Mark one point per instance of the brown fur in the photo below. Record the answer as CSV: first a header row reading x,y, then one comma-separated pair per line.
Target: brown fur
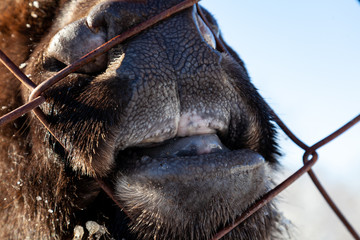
x,y
26,176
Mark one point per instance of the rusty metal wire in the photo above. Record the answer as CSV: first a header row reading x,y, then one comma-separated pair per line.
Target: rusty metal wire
x,y
310,156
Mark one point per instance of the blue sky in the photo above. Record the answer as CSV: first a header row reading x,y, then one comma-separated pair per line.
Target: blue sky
x,y
304,57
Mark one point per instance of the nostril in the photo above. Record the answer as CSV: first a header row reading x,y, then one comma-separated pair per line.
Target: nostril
x,y
113,17
90,24
95,20
73,42
53,64
205,32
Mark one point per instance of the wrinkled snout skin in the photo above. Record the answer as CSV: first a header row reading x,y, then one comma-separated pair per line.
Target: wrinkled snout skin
x,y
171,122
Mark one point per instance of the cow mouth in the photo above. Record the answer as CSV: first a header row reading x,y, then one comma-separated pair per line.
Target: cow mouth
x,y
192,156
188,180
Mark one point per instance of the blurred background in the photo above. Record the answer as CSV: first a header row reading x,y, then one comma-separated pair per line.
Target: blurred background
x,y
304,57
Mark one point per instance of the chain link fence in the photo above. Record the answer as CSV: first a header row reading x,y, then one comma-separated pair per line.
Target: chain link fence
x,y
309,158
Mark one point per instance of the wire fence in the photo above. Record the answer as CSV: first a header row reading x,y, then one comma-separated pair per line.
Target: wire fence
x,y
310,156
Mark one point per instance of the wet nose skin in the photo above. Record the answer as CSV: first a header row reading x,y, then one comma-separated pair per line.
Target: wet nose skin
x,y
74,41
